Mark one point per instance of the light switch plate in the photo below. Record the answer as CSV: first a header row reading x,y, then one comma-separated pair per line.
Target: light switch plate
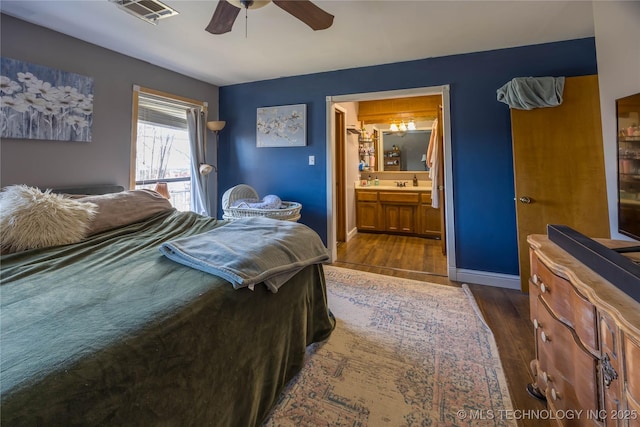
x,y
312,160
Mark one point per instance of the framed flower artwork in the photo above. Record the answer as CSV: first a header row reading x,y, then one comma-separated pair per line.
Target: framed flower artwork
x,y
39,102
283,126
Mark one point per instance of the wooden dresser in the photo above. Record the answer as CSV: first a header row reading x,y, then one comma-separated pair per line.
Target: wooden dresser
x,y
587,336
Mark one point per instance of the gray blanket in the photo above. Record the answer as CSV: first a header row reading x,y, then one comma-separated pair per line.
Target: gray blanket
x,y
267,250
527,93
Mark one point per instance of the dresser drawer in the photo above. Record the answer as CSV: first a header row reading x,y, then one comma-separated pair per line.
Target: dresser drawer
x,y
397,197
632,372
425,198
569,370
566,304
632,414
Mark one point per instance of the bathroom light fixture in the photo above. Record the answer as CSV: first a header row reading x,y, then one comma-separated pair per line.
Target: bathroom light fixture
x,y
214,126
403,127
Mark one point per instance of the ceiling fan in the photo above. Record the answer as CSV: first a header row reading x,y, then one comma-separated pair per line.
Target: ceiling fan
x,y
227,11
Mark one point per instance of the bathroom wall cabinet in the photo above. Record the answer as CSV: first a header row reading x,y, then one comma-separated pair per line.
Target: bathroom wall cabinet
x,y
587,336
398,212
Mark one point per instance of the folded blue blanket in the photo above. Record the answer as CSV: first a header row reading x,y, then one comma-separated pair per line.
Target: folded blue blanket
x,y
527,93
250,250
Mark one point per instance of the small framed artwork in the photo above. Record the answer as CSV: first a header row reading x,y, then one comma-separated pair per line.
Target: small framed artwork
x,y
283,126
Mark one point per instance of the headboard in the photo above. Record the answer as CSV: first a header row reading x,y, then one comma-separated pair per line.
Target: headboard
x,y
93,190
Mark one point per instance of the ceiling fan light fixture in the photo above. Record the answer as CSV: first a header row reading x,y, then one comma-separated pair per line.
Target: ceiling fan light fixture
x,y
242,4
304,10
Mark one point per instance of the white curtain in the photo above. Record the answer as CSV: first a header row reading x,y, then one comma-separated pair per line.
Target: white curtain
x,y
196,124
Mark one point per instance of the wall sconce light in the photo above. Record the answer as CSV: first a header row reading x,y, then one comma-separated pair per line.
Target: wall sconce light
x,y
411,125
214,126
393,127
402,127
205,169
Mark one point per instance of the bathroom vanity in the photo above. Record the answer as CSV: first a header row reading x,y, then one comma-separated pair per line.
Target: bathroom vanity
x,y
388,208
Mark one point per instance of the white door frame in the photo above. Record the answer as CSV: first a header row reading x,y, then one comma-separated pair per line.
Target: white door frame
x,y
448,169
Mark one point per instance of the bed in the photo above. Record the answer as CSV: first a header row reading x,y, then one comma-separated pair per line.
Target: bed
x,y
108,331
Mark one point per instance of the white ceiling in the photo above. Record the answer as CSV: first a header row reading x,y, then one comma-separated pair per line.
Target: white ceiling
x,y
363,33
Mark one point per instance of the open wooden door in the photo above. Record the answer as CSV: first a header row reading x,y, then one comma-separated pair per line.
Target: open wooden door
x,y
340,129
443,228
558,165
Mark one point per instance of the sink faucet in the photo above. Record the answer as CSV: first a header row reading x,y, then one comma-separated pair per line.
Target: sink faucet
x,y
401,183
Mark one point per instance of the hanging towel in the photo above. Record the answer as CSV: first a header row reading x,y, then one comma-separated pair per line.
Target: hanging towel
x,y
433,155
527,93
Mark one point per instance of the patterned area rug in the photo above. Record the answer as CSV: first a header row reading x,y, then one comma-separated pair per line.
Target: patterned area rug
x,y
404,353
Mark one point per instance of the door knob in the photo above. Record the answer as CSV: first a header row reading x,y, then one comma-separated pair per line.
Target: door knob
x,y
524,199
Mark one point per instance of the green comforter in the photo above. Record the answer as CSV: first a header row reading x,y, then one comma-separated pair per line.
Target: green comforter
x,y
110,332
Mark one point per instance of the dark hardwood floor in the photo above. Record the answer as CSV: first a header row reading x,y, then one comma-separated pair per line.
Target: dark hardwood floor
x,y
506,311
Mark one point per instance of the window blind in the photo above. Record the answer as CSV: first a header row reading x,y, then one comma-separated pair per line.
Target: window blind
x,y
162,111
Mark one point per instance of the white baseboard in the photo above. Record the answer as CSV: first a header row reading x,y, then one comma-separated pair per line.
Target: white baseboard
x,y
498,280
351,233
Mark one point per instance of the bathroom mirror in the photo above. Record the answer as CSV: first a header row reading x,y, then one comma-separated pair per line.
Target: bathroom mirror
x,y
403,151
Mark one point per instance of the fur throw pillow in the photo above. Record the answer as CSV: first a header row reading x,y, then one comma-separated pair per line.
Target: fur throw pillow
x,y
30,218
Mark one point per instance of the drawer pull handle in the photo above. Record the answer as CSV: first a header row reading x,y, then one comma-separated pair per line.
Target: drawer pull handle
x,y
543,288
554,394
536,325
534,279
608,372
544,337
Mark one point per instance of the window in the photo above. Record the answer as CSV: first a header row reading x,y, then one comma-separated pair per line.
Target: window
x,y
160,147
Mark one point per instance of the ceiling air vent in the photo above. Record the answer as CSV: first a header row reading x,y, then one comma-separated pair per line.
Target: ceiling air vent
x,y
147,10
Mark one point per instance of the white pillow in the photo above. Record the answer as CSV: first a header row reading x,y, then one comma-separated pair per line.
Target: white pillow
x,y
30,218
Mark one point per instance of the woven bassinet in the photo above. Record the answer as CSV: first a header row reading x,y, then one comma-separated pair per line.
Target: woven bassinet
x,y
289,211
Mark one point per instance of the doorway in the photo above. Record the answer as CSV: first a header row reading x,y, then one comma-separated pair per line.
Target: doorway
x,y
337,198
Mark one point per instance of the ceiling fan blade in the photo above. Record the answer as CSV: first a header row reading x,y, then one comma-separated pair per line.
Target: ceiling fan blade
x,y
307,12
223,18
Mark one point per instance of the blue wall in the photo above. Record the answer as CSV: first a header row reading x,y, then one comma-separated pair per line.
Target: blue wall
x,y
485,218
